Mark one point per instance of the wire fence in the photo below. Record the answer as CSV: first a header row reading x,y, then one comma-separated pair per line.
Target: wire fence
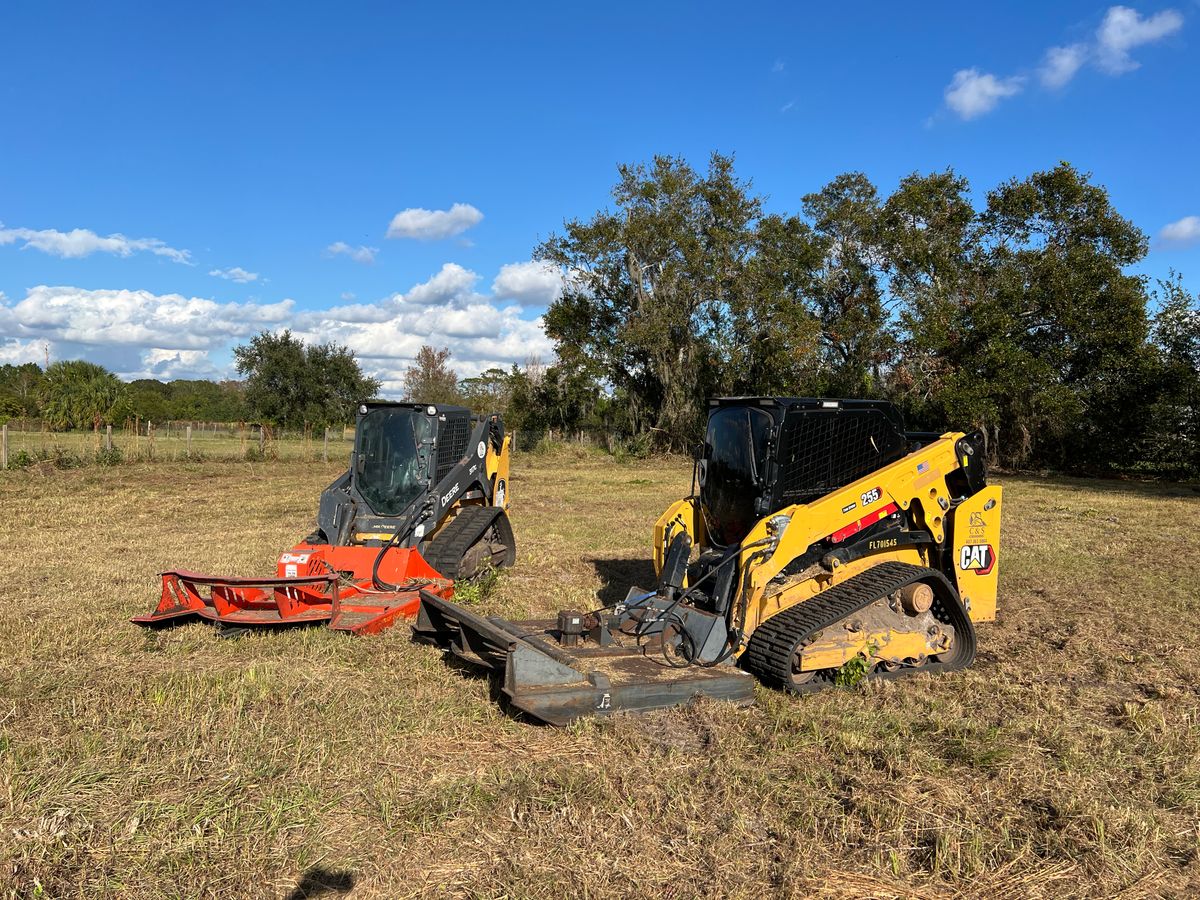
x,y
30,442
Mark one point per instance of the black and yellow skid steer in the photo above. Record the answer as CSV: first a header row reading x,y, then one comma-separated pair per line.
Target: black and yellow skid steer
x,y
825,543
422,505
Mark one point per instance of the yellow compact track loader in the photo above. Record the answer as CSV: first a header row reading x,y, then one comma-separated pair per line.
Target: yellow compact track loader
x,y
825,544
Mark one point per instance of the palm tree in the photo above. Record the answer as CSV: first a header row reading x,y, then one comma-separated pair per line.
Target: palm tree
x,y
79,394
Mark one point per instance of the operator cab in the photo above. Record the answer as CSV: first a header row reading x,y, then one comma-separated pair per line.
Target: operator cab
x,y
401,449
389,458
762,454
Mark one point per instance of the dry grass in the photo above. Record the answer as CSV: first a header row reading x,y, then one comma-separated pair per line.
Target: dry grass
x,y
304,763
172,446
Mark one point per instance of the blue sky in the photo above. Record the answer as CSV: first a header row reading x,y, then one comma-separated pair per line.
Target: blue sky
x,y
146,146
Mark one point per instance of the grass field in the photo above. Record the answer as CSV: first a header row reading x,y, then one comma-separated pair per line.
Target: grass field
x,y
304,763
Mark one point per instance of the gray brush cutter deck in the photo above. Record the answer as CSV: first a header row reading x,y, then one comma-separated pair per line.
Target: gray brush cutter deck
x,y
555,682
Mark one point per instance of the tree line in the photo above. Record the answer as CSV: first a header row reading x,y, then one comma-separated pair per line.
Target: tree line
x,y
287,383
1018,316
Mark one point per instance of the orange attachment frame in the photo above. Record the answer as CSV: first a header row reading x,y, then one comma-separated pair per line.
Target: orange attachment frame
x,y
315,583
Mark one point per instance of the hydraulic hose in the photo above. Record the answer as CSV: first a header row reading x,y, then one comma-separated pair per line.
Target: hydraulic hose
x,y
379,584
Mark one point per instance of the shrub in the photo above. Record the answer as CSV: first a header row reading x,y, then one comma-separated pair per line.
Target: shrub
x,y
110,457
55,457
22,459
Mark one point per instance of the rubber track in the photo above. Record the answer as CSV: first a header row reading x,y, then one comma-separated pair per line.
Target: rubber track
x,y
773,644
447,550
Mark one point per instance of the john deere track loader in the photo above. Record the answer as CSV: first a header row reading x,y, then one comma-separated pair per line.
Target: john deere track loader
x,y
824,541
421,506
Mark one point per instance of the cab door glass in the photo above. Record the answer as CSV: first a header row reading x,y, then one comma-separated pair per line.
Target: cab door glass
x,y
390,470
733,470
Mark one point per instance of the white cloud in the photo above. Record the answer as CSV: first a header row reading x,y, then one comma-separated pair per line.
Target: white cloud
x,y
479,336
80,242
1124,29
444,311
434,224
237,273
139,334
167,364
530,283
449,284
452,286
359,254
779,66
137,318
1061,63
16,352
1185,231
787,106
972,93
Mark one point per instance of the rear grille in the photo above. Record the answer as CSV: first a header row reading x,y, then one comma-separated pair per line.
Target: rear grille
x,y
453,435
820,451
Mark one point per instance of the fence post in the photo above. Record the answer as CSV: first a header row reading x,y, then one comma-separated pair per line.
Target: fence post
x,y
325,451
108,437
4,447
262,440
189,442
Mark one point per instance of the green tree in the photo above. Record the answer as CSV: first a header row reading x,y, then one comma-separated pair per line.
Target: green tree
x,y
653,283
290,383
10,408
1024,320
1021,318
23,384
929,239
202,400
150,400
770,340
846,293
430,379
1070,325
79,394
1174,441
487,392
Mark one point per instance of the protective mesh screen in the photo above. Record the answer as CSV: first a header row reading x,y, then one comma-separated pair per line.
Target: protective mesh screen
x,y
820,451
453,435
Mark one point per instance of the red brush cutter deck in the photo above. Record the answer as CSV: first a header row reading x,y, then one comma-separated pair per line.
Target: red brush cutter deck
x,y
313,583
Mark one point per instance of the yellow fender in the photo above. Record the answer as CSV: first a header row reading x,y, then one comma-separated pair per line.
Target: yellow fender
x,y
977,552
681,515
497,471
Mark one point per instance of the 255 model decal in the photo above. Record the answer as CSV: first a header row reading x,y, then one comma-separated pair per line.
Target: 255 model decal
x,y
871,496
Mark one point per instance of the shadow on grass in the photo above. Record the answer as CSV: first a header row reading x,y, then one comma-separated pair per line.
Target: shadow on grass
x,y
317,882
619,575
